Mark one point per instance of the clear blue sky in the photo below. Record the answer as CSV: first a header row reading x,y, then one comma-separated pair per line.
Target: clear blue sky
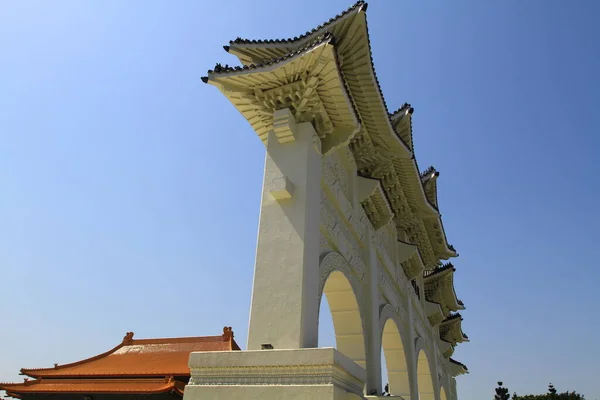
x,y
130,190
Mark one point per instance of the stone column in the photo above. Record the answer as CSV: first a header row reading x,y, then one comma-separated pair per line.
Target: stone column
x,y
284,309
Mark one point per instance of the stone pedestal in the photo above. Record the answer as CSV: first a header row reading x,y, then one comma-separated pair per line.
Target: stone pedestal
x,y
315,374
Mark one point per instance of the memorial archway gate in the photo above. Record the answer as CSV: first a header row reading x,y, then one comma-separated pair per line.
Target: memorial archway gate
x,y
345,212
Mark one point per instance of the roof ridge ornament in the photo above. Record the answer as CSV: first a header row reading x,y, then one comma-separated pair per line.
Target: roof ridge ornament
x,y
128,339
404,107
227,333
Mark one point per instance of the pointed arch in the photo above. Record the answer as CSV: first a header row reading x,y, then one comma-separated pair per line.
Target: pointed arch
x,y
393,347
343,292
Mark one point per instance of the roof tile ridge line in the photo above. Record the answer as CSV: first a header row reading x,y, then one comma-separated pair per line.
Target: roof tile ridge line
x,y
126,341
360,5
439,270
452,360
327,38
105,379
453,316
186,339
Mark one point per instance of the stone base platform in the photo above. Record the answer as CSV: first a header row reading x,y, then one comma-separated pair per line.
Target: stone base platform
x,y
315,374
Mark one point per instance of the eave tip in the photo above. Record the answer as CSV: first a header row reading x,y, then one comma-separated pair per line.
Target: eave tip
x,y
226,48
411,110
364,7
204,79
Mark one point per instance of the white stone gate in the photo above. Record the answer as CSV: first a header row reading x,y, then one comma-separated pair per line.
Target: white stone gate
x,y
345,213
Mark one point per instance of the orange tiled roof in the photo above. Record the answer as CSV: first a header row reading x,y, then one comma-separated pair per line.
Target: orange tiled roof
x,y
141,357
129,386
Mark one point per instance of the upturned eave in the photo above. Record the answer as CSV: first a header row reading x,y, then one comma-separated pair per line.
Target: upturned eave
x,y
384,134
457,368
439,287
451,330
354,50
303,81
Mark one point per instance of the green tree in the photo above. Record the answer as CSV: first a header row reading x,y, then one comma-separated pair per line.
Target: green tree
x,y
501,393
552,394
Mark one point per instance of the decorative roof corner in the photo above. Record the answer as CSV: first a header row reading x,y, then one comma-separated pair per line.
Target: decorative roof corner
x,y
457,368
439,288
128,339
451,330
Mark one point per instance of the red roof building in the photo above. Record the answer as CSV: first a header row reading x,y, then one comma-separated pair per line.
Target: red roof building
x,y
134,369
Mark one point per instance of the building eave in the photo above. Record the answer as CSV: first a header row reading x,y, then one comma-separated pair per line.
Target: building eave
x,y
259,91
451,330
439,283
355,17
457,368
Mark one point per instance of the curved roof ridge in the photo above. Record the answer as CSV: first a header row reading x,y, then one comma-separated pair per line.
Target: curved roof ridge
x,y
358,6
453,361
189,339
94,385
226,337
326,37
126,341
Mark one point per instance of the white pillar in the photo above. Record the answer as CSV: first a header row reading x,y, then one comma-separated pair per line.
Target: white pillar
x,y
410,350
453,394
284,309
372,329
435,375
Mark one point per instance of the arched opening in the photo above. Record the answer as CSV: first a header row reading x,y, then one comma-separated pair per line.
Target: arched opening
x,y
395,361
442,393
425,384
345,314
